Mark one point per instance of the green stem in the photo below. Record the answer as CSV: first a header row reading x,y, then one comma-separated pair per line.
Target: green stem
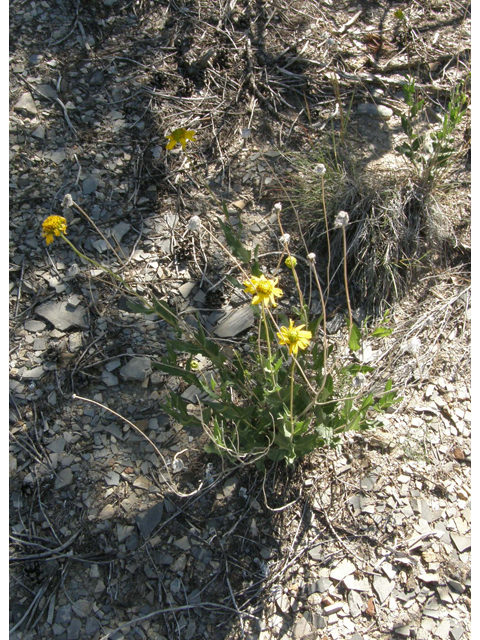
x,y
291,395
345,278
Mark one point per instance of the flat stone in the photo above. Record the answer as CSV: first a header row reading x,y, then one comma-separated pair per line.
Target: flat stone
x,y
34,326
148,520
97,78
109,379
120,229
356,584
403,631
74,628
63,316
301,628
92,626
26,105
82,608
64,478
112,479
319,586
201,554
443,629
47,92
183,543
63,614
34,374
186,289
429,578
57,445
57,157
457,632
317,553
333,608
124,531
375,111
315,619
456,586
235,322
107,512
383,587
461,542
230,486
342,570
89,185
137,369
39,132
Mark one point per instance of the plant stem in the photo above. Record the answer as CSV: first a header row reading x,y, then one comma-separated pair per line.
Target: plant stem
x,y
345,279
328,239
105,270
291,395
95,227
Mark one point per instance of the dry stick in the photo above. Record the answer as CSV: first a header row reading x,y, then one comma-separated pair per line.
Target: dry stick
x,y
95,227
345,277
184,607
157,450
46,554
328,239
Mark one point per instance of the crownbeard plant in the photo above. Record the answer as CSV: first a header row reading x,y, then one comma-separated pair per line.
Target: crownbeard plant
x,y
280,397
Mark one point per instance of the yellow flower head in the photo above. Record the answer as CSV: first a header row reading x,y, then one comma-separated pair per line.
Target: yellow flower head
x,y
291,262
263,290
180,136
294,337
53,226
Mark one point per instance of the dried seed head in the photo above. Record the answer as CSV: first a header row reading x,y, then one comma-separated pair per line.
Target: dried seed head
x,y
277,207
341,220
319,169
358,381
67,201
312,258
285,239
194,223
413,345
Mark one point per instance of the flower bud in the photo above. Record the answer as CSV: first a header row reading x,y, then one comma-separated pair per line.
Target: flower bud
x,y
285,239
312,258
291,262
277,207
194,223
341,220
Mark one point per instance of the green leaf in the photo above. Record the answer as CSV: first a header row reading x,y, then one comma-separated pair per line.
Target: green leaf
x,y
381,332
188,376
164,311
355,337
138,307
234,242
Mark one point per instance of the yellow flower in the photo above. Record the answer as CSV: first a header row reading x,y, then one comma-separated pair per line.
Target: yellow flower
x,y
291,262
180,136
53,226
263,290
294,338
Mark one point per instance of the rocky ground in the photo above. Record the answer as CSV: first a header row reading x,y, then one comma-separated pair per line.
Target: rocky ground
x,y
121,531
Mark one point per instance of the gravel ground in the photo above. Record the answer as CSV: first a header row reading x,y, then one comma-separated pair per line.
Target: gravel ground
x,y
121,531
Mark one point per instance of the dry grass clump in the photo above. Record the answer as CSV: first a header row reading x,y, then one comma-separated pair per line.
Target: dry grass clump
x,y
396,230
